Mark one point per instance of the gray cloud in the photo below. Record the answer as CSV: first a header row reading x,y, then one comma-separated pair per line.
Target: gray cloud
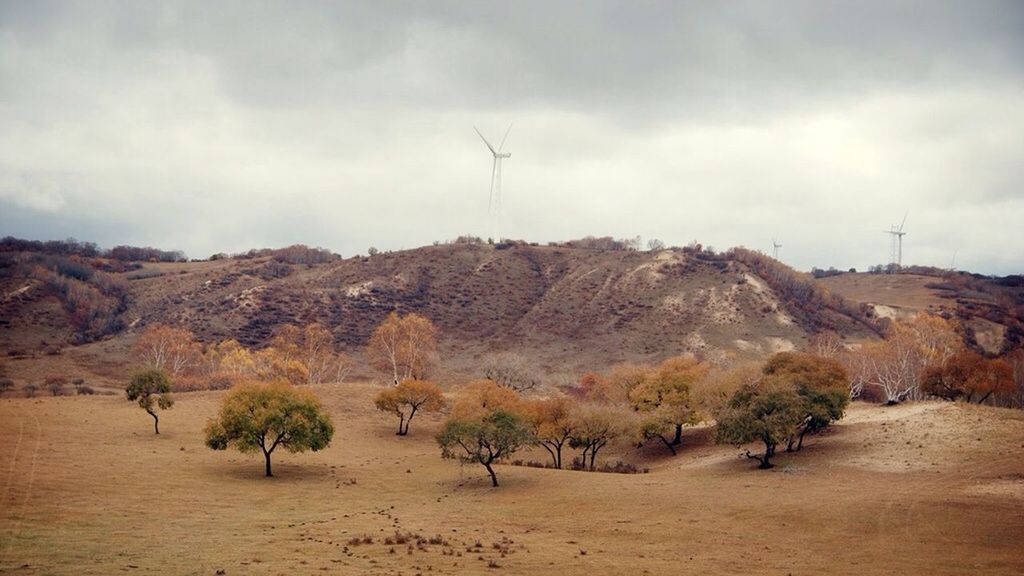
x,y
224,126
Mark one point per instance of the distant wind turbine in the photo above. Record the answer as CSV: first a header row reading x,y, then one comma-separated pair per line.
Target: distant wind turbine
x,y
494,204
896,249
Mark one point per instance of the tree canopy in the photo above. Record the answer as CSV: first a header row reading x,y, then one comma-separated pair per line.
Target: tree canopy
x,y
403,346
262,416
484,440
408,398
152,390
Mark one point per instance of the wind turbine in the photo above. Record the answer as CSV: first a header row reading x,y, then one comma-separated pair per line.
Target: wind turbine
x,y
896,249
775,249
494,204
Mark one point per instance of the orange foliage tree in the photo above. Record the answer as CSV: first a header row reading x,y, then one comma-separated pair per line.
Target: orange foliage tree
x,y
896,364
968,375
408,398
553,423
663,399
162,347
403,346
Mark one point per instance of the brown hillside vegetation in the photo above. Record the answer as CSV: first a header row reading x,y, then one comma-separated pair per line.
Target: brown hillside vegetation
x,y
564,309
568,308
926,488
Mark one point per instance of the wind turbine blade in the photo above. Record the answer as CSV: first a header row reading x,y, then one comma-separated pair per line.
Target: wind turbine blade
x,y
502,145
491,148
494,172
907,213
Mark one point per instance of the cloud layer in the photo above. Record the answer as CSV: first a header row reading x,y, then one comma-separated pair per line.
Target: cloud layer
x,y
224,126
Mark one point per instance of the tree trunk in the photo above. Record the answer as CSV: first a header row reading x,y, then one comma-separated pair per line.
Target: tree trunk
x,y
156,421
985,397
401,421
558,457
668,444
551,452
769,451
267,456
494,477
678,439
800,444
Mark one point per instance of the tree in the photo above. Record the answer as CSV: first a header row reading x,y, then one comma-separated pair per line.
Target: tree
x,y
896,364
663,399
409,397
163,347
6,384
262,416
512,371
553,423
821,385
403,346
616,385
967,375
30,390
152,389
485,440
596,425
481,397
323,362
273,363
767,411
654,245
55,385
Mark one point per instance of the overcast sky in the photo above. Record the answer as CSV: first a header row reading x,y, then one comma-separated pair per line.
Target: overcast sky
x,y
219,126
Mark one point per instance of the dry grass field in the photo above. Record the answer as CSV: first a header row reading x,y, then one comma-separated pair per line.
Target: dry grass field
x,y
86,488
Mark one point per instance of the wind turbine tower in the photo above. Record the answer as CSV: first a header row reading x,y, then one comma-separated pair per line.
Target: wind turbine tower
x,y
494,204
775,249
896,248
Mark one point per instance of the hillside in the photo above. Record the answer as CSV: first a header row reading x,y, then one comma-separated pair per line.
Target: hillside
x,y
927,488
567,309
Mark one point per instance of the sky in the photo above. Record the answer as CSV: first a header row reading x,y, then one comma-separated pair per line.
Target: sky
x,y
222,126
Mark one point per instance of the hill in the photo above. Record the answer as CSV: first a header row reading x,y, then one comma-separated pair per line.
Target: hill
x,y
566,308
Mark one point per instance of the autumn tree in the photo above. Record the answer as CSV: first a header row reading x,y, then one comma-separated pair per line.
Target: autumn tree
x,y
403,346
596,425
484,440
553,423
262,416
896,364
151,389
663,400
480,397
408,398
821,385
968,375
172,350
616,385
310,350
